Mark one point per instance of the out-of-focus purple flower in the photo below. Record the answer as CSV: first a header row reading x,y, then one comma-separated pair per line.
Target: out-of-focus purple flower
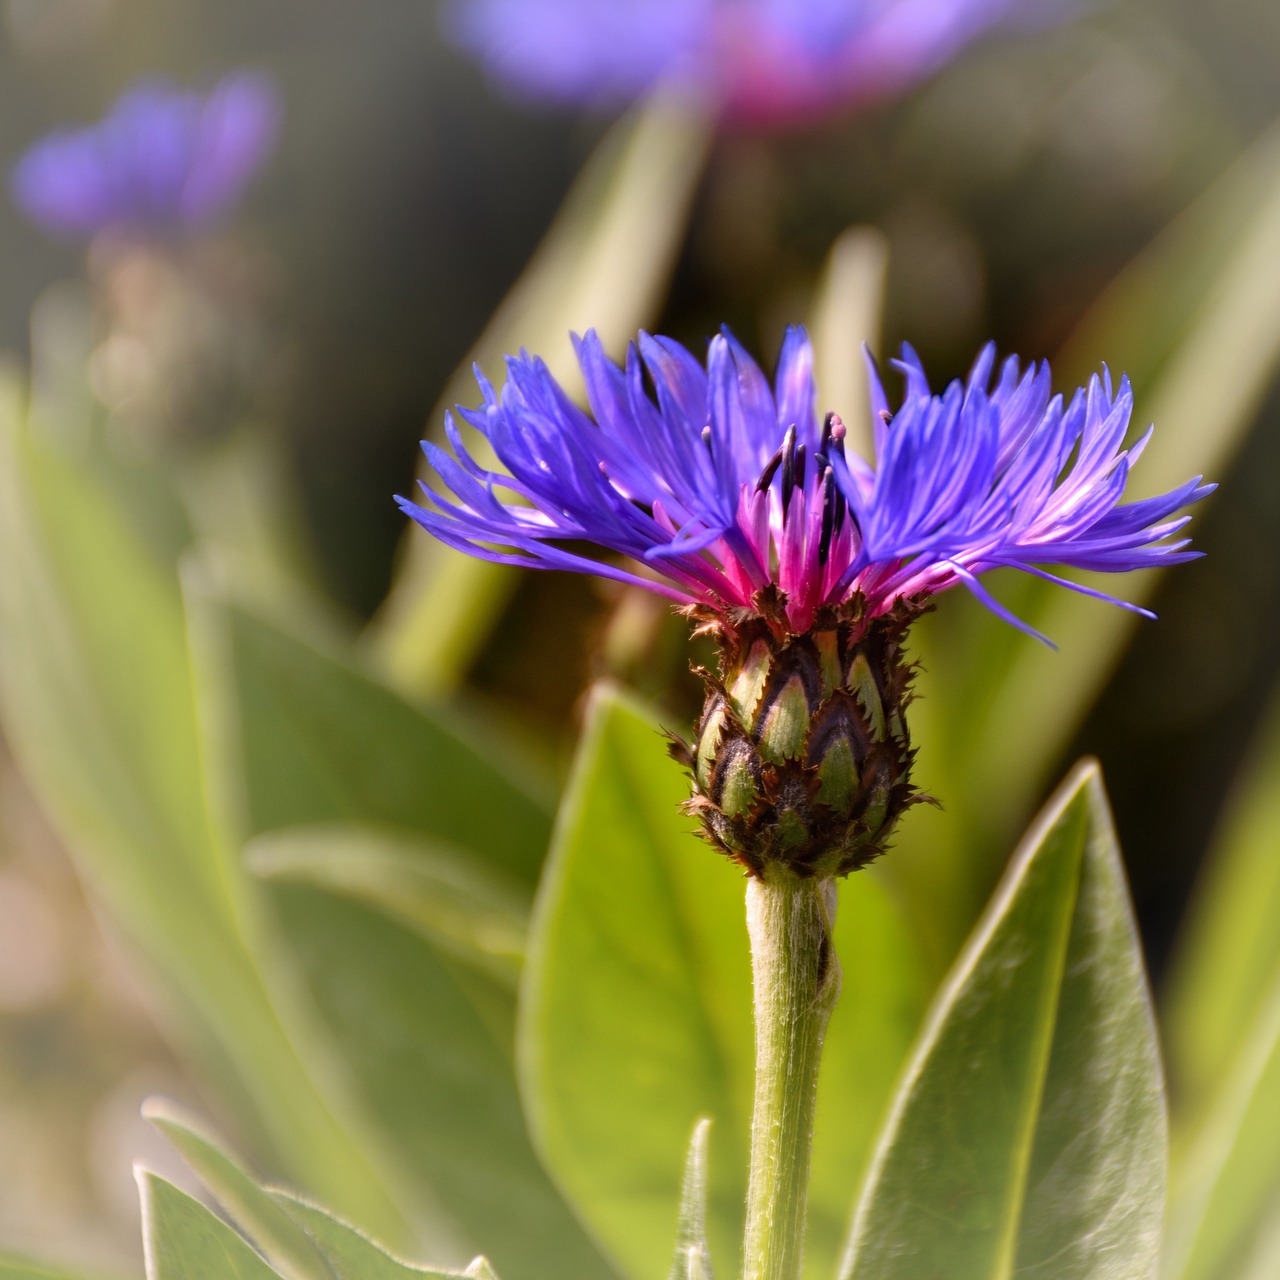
x,y
735,496
161,158
759,61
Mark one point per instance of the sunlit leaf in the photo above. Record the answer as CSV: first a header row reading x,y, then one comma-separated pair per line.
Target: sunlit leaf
x,y
692,1260
1227,1181
1228,960
353,1256
1028,1136
186,1241
637,1009
273,1232
604,265
425,1038
445,893
98,707
310,738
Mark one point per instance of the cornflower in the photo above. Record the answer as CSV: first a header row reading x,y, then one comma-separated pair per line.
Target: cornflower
x,y
806,562
758,61
160,159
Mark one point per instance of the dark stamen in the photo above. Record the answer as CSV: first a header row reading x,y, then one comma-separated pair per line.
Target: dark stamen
x,y
706,436
770,470
788,468
800,457
830,496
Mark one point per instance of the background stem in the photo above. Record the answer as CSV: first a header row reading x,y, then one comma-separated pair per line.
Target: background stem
x,y
797,982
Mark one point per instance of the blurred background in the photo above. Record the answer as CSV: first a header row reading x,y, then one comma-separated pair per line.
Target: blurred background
x,y
404,200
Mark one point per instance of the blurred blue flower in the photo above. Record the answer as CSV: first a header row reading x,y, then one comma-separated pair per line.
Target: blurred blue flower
x,y
160,158
734,495
758,60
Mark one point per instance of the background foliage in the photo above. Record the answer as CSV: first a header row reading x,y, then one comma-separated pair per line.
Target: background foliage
x,y
310,830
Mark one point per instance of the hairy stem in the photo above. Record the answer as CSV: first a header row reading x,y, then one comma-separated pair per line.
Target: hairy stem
x,y
797,983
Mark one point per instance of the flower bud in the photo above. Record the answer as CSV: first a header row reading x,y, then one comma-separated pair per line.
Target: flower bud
x,y
801,757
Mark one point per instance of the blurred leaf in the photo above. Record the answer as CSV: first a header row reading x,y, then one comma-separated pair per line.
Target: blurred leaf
x,y
1227,1180
273,1232
1228,960
15,1268
1028,1136
186,1241
309,738
430,1050
603,264
692,1259
636,1014
350,1253
301,1240
444,893
95,687
846,314
1196,322
425,1042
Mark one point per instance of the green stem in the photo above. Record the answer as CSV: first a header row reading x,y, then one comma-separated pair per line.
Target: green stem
x,y
797,983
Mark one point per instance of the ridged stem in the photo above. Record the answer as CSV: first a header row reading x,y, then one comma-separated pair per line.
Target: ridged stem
x,y
797,983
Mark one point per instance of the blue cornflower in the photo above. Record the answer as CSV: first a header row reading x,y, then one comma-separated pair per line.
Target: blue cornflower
x,y
735,496
161,158
755,60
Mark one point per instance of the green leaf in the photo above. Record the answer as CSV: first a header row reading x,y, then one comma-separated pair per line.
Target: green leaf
x,y
310,738
98,706
353,1256
432,1057
692,1259
273,1232
186,1241
1227,1181
1028,1136
301,1240
1223,1020
604,265
1228,959
444,893
636,1010
15,1268
426,1040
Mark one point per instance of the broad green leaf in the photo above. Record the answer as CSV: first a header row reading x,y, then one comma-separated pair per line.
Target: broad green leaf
x,y
425,1041
636,1013
97,704
1226,1197
311,738
273,1232
1228,960
603,264
1028,1135
692,1260
185,1241
444,893
432,1057
353,1256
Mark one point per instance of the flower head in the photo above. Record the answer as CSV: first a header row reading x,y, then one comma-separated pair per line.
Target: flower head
x,y
160,158
735,496
758,60
805,561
